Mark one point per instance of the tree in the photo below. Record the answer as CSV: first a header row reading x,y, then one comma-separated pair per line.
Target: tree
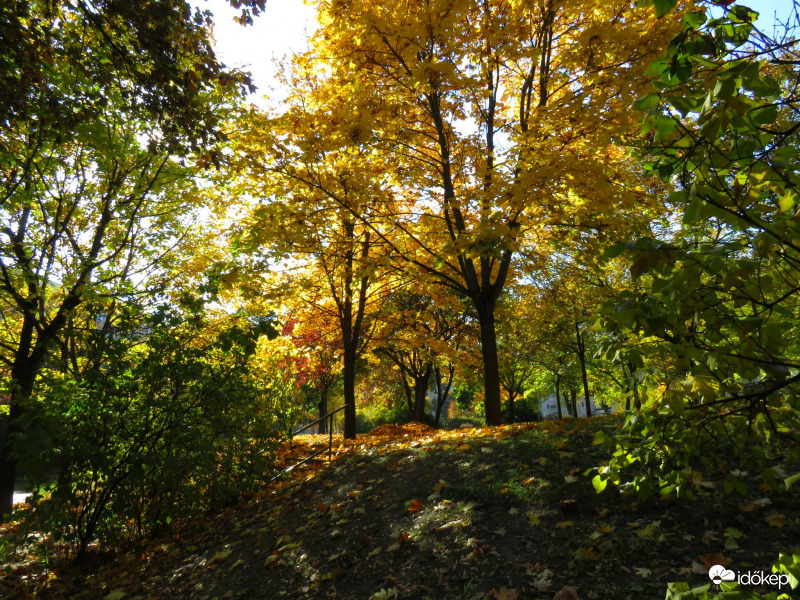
x,y
309,185
105,102
486,112
718,302
421,337
317,367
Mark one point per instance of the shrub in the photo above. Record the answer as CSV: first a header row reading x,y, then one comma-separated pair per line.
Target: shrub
x,y
165,422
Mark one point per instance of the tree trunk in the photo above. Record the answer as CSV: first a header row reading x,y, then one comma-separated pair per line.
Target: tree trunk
x,y
27,362
491,367
323,410
511,397
421,384
8,464
23,374
582,358
349,387
573,401
558,397
442,392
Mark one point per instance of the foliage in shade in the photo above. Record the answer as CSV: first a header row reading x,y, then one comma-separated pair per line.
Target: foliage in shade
x,y
712,322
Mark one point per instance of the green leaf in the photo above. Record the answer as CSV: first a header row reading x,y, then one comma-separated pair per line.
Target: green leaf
x,y
725,88
664,126
764,115
599,483
647,102
694,20
664,6
789,481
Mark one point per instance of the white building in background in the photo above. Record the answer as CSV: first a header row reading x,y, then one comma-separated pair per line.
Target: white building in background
x,y
548,408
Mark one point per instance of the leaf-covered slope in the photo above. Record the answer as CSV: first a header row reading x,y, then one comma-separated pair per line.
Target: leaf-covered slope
x,y
483,513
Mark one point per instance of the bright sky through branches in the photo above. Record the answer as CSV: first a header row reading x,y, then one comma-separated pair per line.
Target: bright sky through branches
x,y
286,25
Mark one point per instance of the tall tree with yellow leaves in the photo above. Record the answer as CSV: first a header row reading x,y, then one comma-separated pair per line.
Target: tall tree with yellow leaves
x,y
498,122
305,184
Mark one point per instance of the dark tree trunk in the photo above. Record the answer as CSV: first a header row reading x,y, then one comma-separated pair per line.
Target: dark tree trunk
x,y
27,363
582,358
421,384
323,410
573,401
442,391
9,426
349,387
409,396
491,366
558,397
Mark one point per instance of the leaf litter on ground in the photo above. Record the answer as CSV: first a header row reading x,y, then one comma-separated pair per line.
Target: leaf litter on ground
x,y
413,512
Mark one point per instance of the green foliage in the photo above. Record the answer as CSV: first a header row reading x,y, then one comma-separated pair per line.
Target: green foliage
x,y
372,415
711,325
165,423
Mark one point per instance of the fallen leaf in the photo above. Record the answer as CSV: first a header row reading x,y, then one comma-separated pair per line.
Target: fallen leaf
x,y
643,571
711,560
570,479
564,524
748,506
568,505
776,519
222,555
414,506
505,593
567,593
528,480
271,560
708,537
544,580
115,595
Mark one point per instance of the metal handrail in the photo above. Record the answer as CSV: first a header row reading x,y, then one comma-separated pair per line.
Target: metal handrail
x,y
318,452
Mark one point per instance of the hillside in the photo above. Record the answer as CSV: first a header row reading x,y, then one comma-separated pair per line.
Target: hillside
x,y
416,513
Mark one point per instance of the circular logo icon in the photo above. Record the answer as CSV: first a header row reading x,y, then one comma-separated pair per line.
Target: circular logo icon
x,y
718,574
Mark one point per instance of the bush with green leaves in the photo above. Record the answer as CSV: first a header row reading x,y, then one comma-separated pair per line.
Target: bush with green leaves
x,y
163,421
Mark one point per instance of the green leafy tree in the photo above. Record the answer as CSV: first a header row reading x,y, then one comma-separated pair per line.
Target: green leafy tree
x,y
717,307
105,103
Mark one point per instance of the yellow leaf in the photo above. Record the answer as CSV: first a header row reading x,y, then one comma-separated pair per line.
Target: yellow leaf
x,y
775,519
564,524
505,593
